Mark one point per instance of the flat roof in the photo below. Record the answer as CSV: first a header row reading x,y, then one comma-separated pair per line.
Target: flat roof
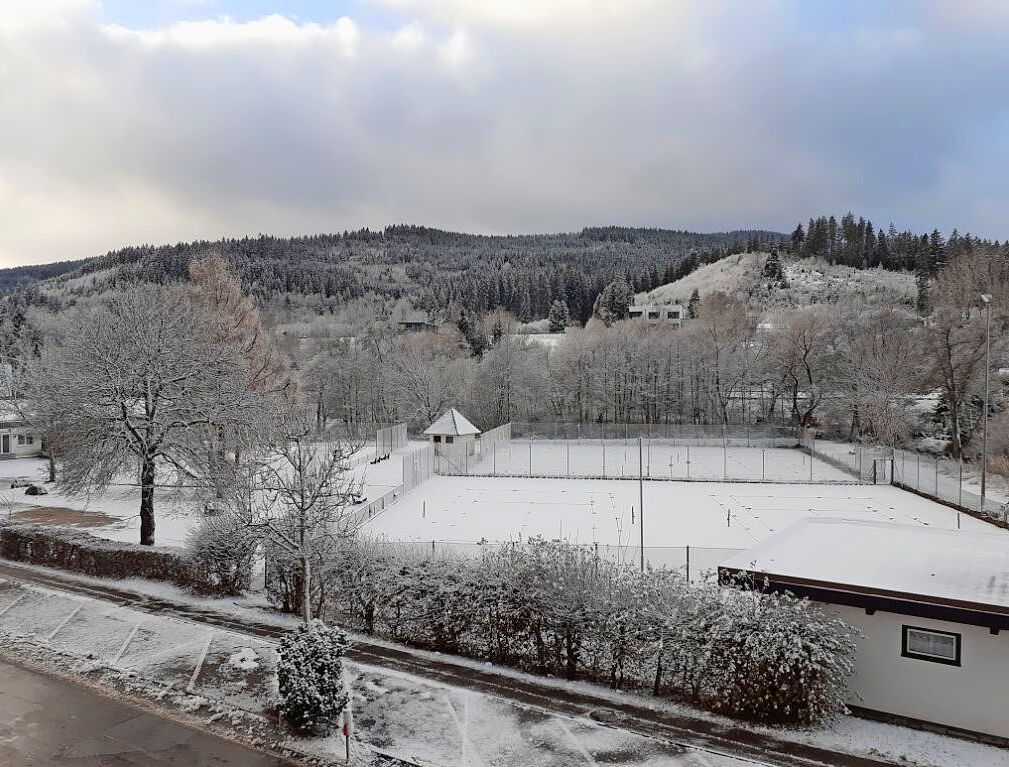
x,y
916,563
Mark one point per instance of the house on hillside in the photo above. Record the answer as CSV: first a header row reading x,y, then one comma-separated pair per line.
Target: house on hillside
x,y
932,606
452,428
416,322
665,314
17,438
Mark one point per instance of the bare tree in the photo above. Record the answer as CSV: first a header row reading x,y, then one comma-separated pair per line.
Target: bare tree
x,y
298,496
141,380
804,354
953,339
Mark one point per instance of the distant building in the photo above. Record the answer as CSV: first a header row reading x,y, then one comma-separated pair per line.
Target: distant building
x,y
668,314
932,607
416,322
17,438
452,428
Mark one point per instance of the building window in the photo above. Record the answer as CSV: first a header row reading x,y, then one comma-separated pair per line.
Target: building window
x,y
448,440
653,315
437,438
930,645
21,439
29,439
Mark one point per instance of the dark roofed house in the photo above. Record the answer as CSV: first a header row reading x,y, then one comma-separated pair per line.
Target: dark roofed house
x,y
416,322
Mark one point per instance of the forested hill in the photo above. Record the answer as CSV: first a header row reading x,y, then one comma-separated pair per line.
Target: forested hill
x,y
434,268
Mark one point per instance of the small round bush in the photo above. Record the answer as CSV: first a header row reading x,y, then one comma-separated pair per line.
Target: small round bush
x,y
310,677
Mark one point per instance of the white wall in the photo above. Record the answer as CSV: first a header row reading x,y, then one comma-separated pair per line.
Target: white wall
x,y
971,696
22,451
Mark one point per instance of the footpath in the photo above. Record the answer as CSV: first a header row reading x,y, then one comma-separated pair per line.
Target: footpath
x,y
420,708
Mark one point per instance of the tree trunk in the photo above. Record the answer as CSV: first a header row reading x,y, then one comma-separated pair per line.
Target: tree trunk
x,y
147,501
52,467
306,592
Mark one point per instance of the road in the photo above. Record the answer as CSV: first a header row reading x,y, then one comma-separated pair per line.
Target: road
x,y
49,722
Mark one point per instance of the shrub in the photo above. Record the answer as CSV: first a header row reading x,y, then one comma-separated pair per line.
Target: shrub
x,y
558,609
778,659
80,552
310,677
220,552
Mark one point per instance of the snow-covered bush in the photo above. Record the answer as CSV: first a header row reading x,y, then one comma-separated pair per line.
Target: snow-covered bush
x,y
777,659
310,678
557,609
221,551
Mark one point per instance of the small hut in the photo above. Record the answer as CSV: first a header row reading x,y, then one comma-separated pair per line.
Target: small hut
x,y
452,428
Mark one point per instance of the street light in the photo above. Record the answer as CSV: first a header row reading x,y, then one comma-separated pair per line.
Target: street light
x,y
986,299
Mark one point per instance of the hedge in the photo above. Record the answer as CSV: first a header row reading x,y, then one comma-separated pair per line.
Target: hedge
x,y
80,552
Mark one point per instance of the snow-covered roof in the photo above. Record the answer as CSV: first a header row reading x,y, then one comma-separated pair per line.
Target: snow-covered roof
x,y
886,558
10,411
452,424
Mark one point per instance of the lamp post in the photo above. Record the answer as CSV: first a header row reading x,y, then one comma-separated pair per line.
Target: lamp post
x,y
986,298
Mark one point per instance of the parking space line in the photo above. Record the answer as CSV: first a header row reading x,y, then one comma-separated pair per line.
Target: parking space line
x,y
64,622
199,663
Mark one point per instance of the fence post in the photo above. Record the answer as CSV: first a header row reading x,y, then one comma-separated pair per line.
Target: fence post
x,y
569,458
961,479
688,564
530,459
688,460
763,474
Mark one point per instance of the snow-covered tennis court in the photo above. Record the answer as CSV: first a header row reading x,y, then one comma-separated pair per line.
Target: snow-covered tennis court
x,y
721,516
660,459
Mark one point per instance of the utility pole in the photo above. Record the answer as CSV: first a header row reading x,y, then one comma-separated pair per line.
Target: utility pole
x,y
986,298
641,503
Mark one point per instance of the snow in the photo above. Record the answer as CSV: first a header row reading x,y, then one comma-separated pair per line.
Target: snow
x,y
948,564
715,519
408,716
245,659
178,511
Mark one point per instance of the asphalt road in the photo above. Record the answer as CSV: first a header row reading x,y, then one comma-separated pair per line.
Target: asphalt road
x,y
49,722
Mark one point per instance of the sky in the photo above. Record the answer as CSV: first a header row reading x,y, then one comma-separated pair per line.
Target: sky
x,y
150,121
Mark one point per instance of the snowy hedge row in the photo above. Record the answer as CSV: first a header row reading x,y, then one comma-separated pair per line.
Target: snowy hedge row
x,y
79,552
556,609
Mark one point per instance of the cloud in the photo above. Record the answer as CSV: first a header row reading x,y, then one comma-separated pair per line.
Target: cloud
x,y
493,117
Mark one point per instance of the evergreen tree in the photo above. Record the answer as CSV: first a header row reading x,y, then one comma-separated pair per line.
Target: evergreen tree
x,y
559,317
694,305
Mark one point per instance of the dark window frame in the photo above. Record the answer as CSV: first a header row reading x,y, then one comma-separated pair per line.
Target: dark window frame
x,y
905,653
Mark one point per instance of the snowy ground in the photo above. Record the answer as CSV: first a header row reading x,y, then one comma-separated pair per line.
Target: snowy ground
x,y
395,712
659,459
715,519
403,714
115,514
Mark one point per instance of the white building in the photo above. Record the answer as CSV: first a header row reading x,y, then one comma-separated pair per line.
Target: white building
x,y
17,438
668,314
452,428
932,605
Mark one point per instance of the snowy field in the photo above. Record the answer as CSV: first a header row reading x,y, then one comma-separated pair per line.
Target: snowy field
x,y
458,512
115,514
659,459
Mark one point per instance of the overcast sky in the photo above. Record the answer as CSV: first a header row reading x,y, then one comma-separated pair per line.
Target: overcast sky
x,y
129,121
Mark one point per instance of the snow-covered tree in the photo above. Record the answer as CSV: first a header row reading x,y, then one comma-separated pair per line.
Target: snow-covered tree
x,y
142,380
558,317
298,497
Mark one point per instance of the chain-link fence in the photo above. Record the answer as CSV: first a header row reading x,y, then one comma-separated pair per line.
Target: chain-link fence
x,y
694,562
735,435
389,438
943,479
650,458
